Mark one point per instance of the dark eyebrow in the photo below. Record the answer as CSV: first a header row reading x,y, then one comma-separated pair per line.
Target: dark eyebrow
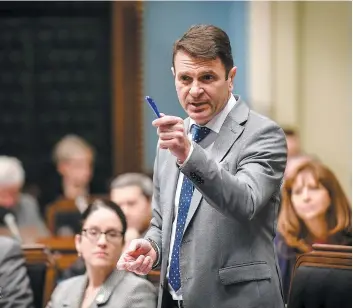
x,y
208,72
98,228
91,227
182,74
114,230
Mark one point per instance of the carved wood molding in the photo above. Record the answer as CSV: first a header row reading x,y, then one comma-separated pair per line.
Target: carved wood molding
x,y
127,116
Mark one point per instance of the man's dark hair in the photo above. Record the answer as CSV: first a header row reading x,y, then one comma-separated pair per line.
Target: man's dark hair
x,y
206,42
134,179
289,132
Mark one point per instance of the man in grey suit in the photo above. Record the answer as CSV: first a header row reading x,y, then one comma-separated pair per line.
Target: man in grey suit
x,y
217,181
15,290
24,207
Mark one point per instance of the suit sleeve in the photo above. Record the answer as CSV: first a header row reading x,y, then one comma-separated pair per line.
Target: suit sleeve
x,y
14,282
258,174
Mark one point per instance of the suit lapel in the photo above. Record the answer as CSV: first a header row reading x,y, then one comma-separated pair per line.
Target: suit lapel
x,y
170,181
229,133
103,295
171,173
195,201
107,288
76,294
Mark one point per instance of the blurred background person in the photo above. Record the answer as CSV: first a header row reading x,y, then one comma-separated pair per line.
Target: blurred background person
x,y
74,159
100,244
293,142
295,155
15,289
314,210
294,162
133,192
23,206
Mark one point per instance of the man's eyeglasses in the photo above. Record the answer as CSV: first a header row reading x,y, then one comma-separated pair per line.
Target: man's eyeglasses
x,y
93,234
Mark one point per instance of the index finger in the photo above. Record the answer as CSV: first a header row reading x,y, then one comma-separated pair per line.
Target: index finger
x,y
133,247
167,120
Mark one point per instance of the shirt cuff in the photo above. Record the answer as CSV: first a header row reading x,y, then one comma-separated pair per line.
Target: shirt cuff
x,y
187,158
158,252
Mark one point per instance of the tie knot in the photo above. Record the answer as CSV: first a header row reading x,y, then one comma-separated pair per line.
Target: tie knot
x,y
198,132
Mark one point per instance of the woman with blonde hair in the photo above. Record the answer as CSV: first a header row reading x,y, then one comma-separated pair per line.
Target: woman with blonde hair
x,y
314,209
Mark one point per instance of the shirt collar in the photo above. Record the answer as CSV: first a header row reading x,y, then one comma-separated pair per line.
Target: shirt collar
x,y
216,123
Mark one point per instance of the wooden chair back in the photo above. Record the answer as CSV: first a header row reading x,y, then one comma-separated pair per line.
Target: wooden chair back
x,y
58,211
63,251
65,212
41,271
322,278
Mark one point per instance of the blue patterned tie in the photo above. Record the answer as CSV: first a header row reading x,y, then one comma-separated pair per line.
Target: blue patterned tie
x,y
187,189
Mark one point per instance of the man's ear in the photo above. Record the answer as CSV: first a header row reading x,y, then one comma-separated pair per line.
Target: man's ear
x,y
173,71
231,76
232,73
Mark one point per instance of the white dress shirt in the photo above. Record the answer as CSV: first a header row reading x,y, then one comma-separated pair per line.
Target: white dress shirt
x,y
215,125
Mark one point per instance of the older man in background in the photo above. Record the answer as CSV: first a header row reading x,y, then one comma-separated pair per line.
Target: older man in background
x,y
23,207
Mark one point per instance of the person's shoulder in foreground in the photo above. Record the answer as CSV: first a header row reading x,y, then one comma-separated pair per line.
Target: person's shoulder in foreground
x,y
14,282
121,289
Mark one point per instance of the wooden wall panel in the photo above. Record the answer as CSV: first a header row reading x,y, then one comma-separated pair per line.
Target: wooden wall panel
x,y
127,84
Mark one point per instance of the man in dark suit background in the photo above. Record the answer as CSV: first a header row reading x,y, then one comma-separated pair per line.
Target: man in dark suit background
x,y
14,282
217,181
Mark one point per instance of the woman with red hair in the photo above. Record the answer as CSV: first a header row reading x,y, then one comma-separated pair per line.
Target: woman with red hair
x,y
314,209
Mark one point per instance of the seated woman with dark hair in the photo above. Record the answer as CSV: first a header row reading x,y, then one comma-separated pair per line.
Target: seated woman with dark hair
x,y
314,210
100,244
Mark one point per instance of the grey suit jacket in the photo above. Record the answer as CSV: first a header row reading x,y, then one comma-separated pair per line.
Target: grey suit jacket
x,y
15,290
121,290
28,215
227,257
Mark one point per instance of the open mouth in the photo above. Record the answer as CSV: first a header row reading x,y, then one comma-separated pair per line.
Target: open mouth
x,y
198,104
197,107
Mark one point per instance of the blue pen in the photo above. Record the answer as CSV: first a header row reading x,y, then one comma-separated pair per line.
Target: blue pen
x,y
153,105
